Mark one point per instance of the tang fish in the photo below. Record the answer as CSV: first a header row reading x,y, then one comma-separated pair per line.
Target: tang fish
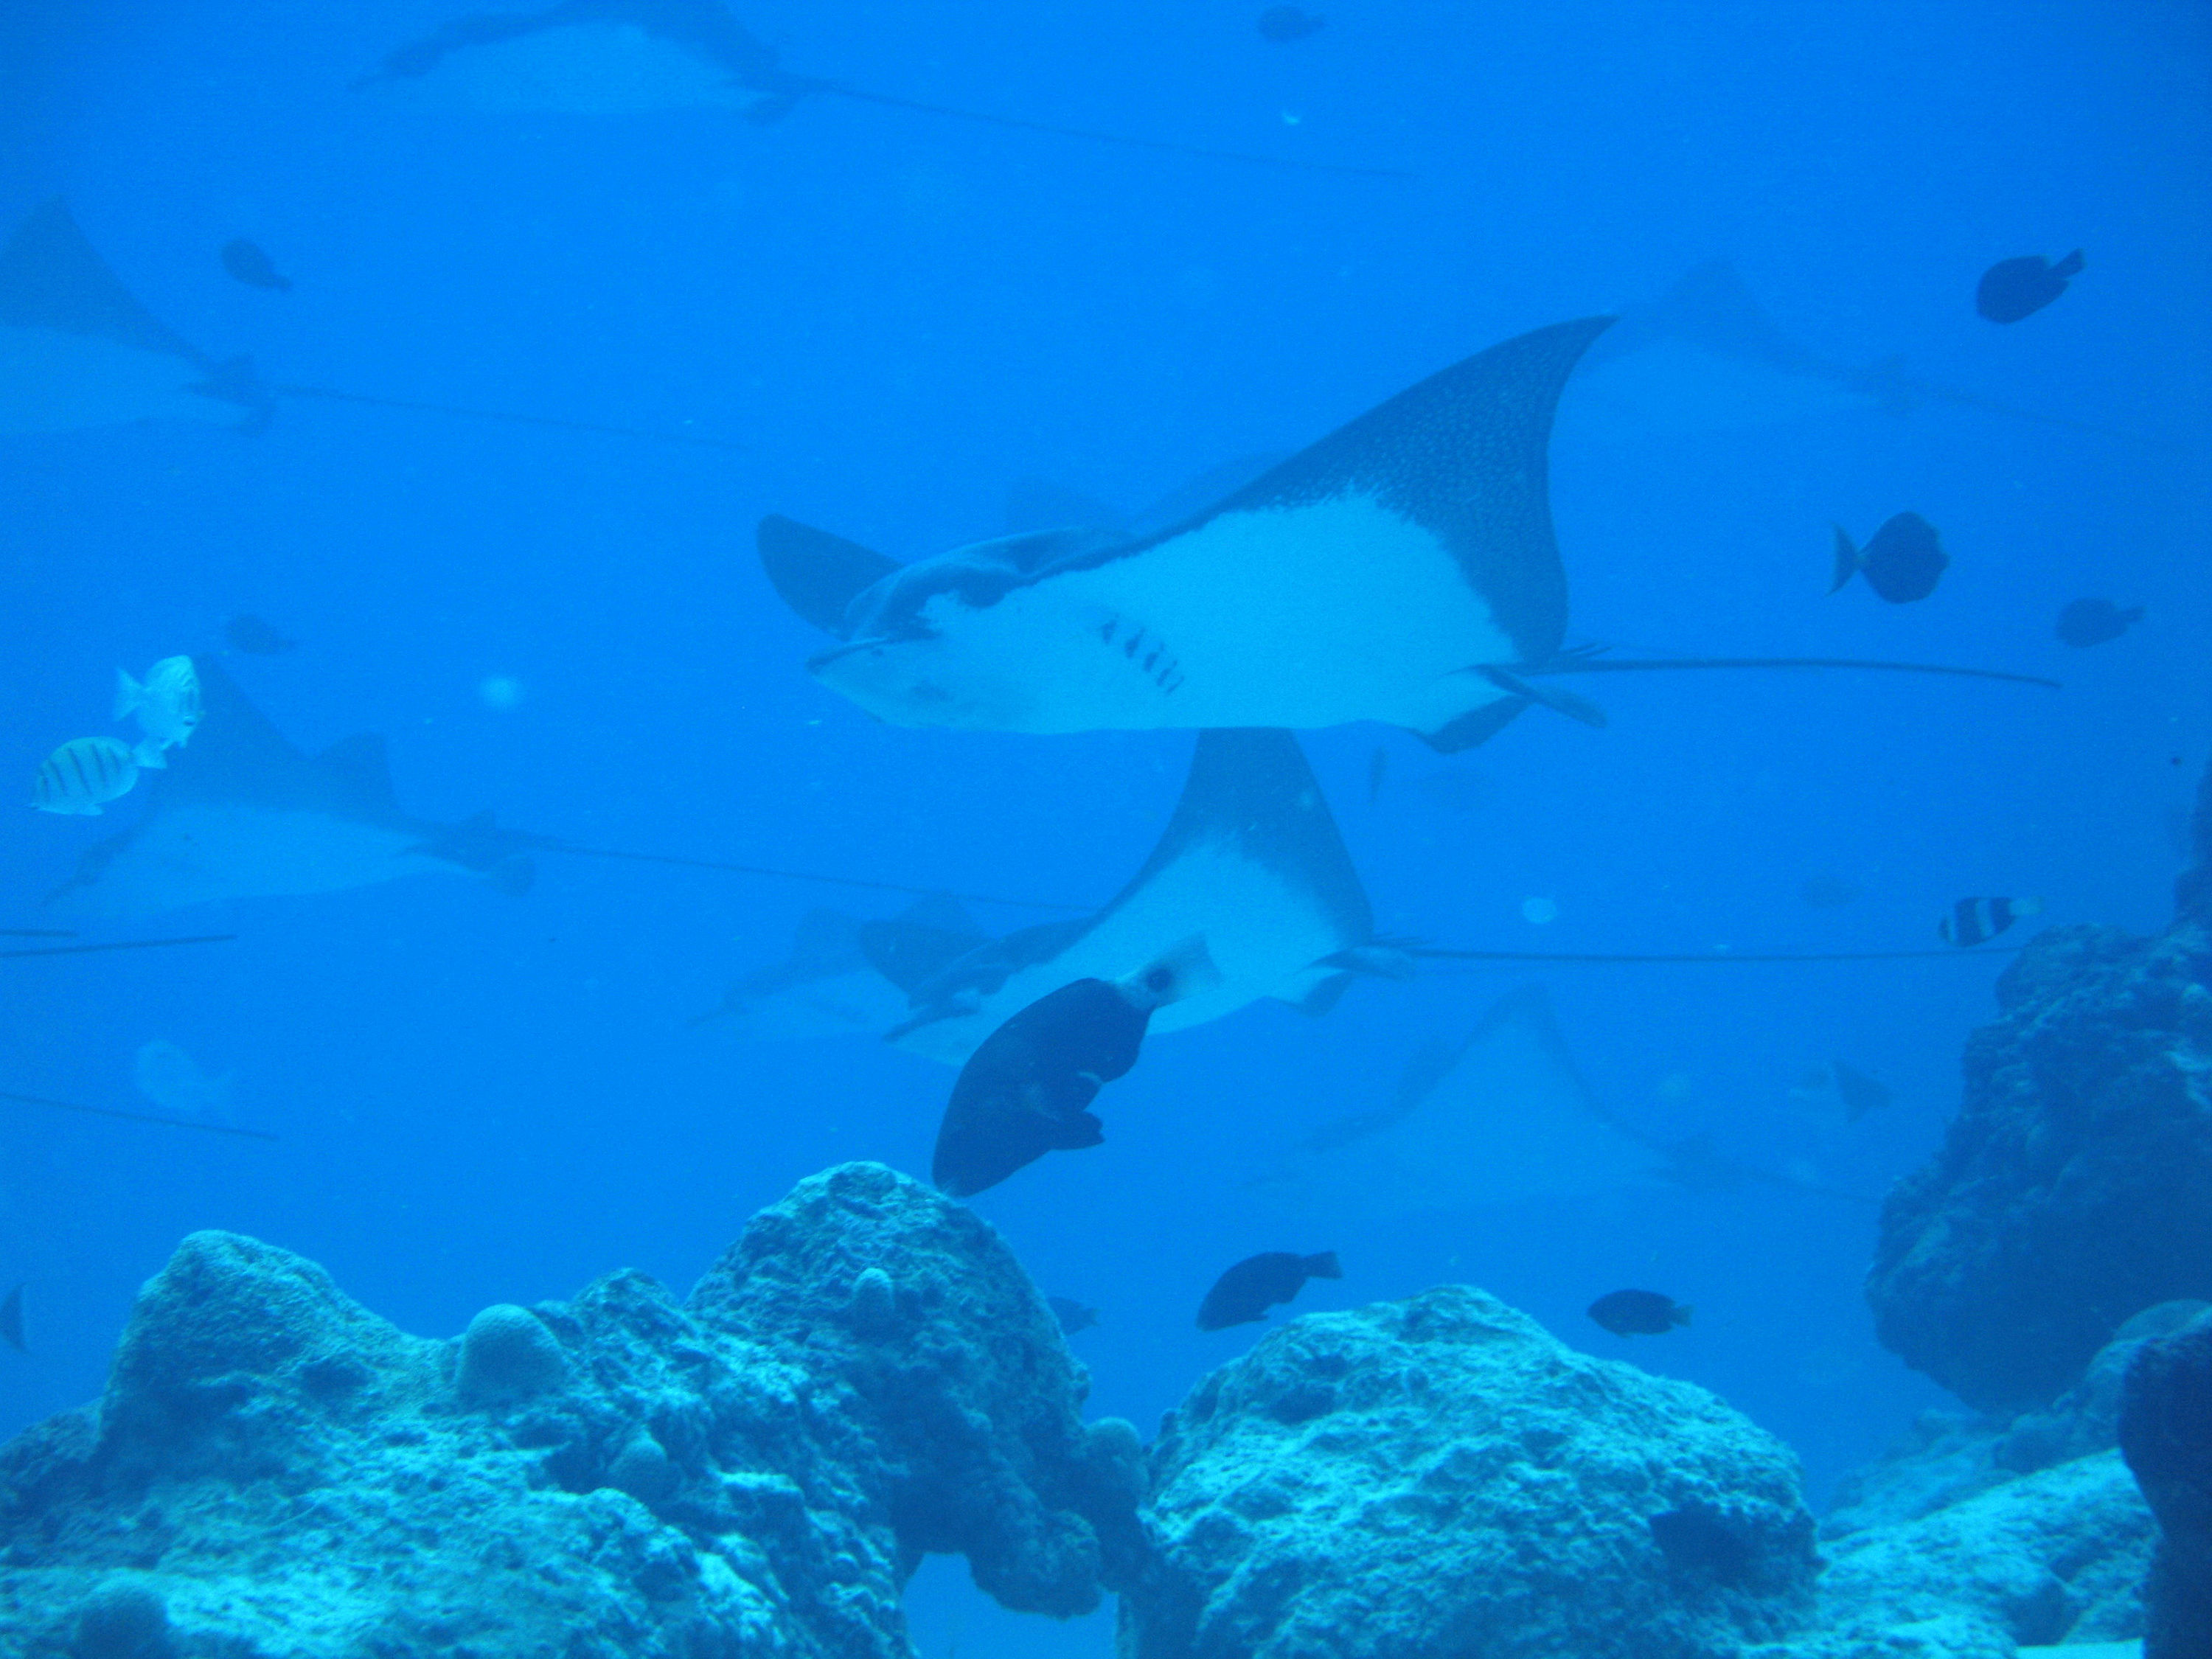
x,y
2093,621
1903,562
1979,920
1638,1313
1026,1089
1284,24
250,266
1072,1316
84,774
167,706
2013,289
1243,1294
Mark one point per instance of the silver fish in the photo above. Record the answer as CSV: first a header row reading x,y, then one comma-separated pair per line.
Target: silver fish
x,y
167,706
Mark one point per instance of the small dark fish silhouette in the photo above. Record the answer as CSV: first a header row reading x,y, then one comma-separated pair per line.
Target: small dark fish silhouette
x,y
1243,1294
1859,1093
250,266
1284,24
1072,1316
1025,1090
11,1320
2013,289
1903,562
1638,1313
1828,892
255,637
1979,920
2093,621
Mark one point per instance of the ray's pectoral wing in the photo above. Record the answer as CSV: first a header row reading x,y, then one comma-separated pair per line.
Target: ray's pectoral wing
x,y
816,574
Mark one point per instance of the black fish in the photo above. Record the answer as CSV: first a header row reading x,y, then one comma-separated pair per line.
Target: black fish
x,y
1284,24
1243,1294
11,1320
1828,892
255,637
1024,1090
2013,289
250,266
1903,562
1072,1316
1979,920
1859,1093
2093,621
1638,1313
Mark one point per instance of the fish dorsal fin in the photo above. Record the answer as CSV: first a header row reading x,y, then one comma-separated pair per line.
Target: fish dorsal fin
x,y
50,277
818,575
358,769
1254,786
1464,456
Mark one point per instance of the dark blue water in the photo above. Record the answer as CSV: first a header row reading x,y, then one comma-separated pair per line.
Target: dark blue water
x,y
483,1098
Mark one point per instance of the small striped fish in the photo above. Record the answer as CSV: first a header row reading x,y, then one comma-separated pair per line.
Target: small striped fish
x,y
81,774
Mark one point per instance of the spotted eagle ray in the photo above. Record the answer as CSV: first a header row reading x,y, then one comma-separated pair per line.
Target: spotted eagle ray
x,y
1707,357
637,56
240,813
77,351
844,975
1250,863
1402,569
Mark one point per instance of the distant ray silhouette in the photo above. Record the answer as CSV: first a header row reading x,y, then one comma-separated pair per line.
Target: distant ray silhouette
x,y
630,57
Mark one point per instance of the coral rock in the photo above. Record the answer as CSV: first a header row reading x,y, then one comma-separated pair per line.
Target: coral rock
x,y
1440,1476
507,1353
2166,1433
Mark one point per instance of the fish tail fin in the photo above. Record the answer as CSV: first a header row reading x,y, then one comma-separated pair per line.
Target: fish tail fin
x,y
1681,1315
1324,1265
2070,266
149,756
1847,561
129,694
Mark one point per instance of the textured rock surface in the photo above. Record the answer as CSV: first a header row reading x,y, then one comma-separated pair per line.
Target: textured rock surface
x,y
1439,1477
2074,1187
2165,1431
275,1473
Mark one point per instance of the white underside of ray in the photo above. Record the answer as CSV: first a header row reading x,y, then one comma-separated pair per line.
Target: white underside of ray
x,y
200,853
580,68
53,381
1673,388
1301,616
1264,932
1509,1122
835,1004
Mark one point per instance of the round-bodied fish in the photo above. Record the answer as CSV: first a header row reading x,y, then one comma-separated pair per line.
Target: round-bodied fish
x,y
83,776
167,706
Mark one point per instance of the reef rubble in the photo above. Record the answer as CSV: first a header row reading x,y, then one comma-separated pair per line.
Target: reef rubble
x,y
866,1376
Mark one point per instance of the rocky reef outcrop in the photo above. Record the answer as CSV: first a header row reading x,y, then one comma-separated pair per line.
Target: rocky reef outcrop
x,y
1440,1476
867,1376
2074,1187
2165,1433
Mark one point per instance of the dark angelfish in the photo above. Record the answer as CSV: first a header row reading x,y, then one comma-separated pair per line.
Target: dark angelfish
x,y
2015,288
1284,24
240,813
1251,861
2085,623
1638,1313
1978,920
1027,1089
1903,562
601,57
1243,1294
78,351
246,262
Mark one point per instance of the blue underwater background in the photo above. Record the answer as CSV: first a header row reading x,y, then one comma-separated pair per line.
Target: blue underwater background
x,y
485,1098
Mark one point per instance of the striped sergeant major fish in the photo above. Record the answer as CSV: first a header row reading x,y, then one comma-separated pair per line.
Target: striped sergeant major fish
x,y
1978,920
81,775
